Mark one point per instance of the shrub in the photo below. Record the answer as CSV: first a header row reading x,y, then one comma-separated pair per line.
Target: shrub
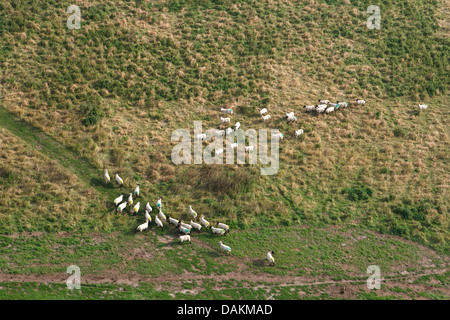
x,y
357,193
93,114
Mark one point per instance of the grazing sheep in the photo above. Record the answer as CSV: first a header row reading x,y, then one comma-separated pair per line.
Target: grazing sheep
x,y
225,120
159,202
204,222
225,248
136,191
121,207
228,111
148,207
329,110
185,238
321,108
106,177
342,104
298,133
220,133
136,207
289,114
158,222
161,215
196,225
249,148
229,131
201,136
142,226
422,107
267,117
185,225
173,221
218,152
223,226
270,258
323,101
130,199
279,135
147,216
360,101
118,200
184,230
237,125
192,212
263,111
218,231
119,180
234,145
291,119
309,108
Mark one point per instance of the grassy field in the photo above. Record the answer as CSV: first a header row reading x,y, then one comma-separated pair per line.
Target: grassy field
x,y
364,185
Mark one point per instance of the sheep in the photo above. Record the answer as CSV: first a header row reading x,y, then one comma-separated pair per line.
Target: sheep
x,y
237,125
234,145
204,222
136,191
136,207
218,152
147,216
249,148
142,226
422,107
185,225
130,199
225,248
228,111
192,212
173,221
184,230
360,101
289,115
279,135
218,231
148,207
323,101
119,180
320,108
159,203
309,108
270,258
220,133
118,200
161,215
342,104
229,131
267,117
158,222
185,238
263,111
201,136
196,225
329,110
298,133
291,119
121,207
223,226
225,120
106,177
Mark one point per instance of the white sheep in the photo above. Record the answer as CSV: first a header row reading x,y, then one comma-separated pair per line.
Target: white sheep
x,y
161,215
218,231
185,238
422,107
279,135
234,145
267,117
142,226
130,199
225,248
342,104
218,152
249,148
148,207
298,133
320,108
184,230
225,120
173,221
136,207
136,191
270,258
201,136
106,177
291,119
263,111
220,133
223,226
204,222
237,125
229,131
196,225
323,101
309,108
159,202
185,225
158,222
229,111
121,207
192,212
329,110
119,180
289,114
360,101
147,216
118,200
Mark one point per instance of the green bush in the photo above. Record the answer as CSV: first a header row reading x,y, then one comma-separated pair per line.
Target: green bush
x,y
93,114
357,193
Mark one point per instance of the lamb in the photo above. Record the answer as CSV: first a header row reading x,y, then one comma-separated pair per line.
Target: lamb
x,y
148,207
159,203
136,207
279,135
360,101
218,152
329,110
298,133
270,258
118,200
321,108
130,199
106,177
342,104
185,238
136,191
225,120
309,108
422,107
147,216
249,148
196,225
161,215
158,222
267,117
204,222
218,231
289,115
225,248
121,207
263,111
323,101
173,221
119,180
192,212
237,125
142,226
184,230
223,226
229,111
